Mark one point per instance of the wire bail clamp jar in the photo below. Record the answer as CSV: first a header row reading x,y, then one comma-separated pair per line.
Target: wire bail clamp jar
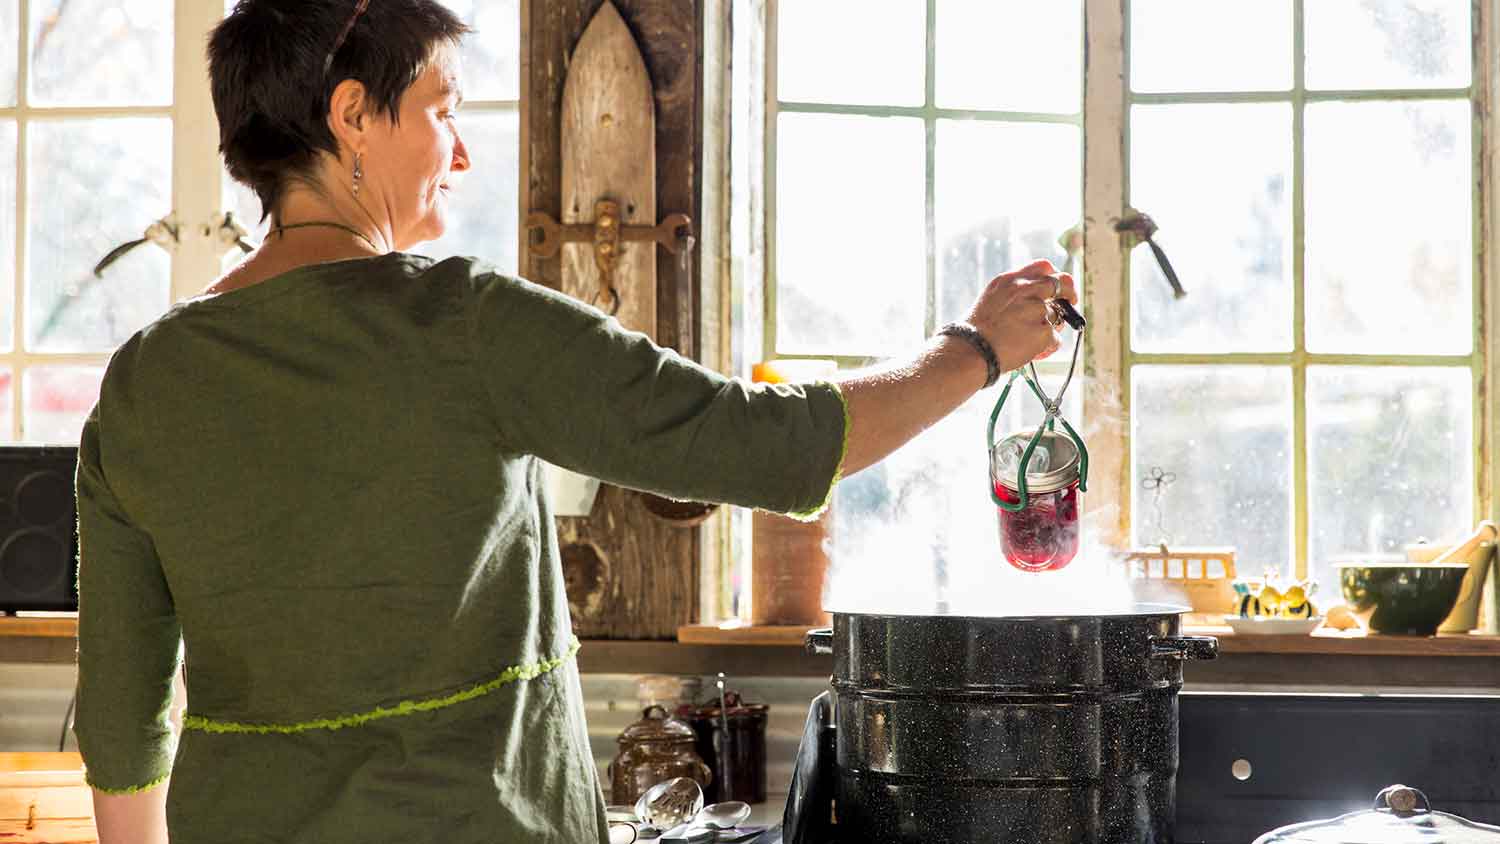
x,y
1037,475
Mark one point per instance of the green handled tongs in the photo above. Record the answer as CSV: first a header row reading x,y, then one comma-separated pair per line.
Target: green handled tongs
x,y
1052,407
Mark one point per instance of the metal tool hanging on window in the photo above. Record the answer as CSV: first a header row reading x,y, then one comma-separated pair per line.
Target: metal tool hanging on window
x,y
164,233
1138,227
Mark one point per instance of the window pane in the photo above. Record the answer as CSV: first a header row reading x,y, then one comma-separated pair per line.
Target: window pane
x,y
490,53
1225,434
7,409
1354,44
1042,67
1190,45
56,401
928,505
1005,193
1389,227
7,235
9,14
1390,460
843,51
1217,179
482,207
101,52
93,185
850,244
244,205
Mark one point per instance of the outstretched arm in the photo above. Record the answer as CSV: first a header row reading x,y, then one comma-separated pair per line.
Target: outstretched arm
x,y
889,407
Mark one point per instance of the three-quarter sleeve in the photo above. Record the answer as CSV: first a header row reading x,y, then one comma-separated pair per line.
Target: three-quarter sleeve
x,y
571,386
128,638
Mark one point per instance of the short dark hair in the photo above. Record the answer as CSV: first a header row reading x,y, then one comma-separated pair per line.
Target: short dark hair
x,y
266,69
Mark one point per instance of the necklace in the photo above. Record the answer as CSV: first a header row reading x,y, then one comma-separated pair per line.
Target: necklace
x,y
330,224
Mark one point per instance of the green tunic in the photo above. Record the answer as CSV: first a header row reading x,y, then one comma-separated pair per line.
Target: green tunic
x,y
322,491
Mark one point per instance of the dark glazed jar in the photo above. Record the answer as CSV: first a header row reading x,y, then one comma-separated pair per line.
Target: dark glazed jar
x,y
653,749
738,763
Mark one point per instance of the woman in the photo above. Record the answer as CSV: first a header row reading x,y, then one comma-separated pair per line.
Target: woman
x,y
320,476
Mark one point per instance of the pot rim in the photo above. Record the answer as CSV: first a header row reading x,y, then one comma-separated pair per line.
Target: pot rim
x,y
1140,610
1396,565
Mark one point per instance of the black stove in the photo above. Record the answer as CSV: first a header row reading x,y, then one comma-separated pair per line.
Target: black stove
x,y
1250,763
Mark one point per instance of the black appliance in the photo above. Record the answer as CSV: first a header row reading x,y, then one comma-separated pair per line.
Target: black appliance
x,y
38,528
1250,763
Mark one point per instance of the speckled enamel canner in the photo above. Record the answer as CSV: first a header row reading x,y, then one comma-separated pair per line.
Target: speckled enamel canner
x,y
968,730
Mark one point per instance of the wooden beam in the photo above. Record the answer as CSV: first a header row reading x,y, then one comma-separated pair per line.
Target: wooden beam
x,y
630,575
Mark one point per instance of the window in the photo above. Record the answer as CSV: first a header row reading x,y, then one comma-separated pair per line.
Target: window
x,y
1315,170
106,126
895,156
87,117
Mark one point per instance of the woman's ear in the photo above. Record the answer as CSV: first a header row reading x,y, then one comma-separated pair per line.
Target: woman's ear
x,y
347,117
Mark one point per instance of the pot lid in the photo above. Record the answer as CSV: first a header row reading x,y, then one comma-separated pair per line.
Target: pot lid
x,y
1053,465
1401,816
656,725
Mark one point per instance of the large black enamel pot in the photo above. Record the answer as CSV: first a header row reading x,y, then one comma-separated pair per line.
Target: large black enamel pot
x,y
1041,729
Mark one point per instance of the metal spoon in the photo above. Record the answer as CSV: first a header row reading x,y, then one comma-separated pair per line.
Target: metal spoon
x,y
705,826
668,804
727,815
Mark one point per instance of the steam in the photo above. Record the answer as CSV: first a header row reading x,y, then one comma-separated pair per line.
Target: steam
x,y
929,551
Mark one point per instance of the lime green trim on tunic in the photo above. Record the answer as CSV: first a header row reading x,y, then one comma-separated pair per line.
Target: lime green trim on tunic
x,y
813,514
406,707
134,789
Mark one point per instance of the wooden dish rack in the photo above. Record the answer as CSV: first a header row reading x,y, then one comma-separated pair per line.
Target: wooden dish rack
x,y
1203,576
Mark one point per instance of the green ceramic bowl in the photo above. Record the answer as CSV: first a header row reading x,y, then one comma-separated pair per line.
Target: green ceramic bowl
x,y
1402,598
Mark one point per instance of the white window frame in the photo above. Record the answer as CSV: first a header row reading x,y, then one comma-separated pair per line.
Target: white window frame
x,y
747,294
1106,163
195,179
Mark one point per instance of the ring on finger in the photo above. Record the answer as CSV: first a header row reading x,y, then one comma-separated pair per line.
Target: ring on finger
x,y
1056,285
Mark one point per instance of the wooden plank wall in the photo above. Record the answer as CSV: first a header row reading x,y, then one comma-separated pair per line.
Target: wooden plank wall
x,y
630,575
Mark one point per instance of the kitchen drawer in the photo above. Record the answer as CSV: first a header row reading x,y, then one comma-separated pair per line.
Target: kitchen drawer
x,y
1318,756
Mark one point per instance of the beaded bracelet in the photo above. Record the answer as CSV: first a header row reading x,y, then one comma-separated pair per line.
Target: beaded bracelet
x,y
971,335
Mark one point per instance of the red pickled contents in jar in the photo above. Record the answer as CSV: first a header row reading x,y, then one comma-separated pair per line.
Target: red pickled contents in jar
x,y
1044,535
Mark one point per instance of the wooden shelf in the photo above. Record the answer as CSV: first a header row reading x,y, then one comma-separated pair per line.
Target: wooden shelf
x,y
49,626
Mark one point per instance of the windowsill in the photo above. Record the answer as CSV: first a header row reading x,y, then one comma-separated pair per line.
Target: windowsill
x,y
1328,642
1435,664
1321,642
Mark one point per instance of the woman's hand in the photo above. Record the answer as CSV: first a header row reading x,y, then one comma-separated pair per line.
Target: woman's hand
x,y
1011,313
889,406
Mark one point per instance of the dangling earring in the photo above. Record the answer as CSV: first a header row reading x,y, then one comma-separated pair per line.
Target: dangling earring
x,y
359,171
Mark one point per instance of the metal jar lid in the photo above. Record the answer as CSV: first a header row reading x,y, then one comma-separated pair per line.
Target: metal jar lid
x,y
1054,464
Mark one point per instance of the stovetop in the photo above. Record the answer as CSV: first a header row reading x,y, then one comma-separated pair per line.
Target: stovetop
x,y
1251,763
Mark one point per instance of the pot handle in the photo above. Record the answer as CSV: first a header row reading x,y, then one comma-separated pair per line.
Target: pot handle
x,y
1184,647
819,642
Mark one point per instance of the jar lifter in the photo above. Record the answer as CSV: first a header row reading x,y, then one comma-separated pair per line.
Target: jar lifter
x,y
1060,311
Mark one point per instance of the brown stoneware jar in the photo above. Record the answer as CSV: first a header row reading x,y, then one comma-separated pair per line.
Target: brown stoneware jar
x,y
653,749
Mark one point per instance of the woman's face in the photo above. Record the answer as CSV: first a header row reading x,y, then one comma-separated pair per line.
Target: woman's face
x,y
410,162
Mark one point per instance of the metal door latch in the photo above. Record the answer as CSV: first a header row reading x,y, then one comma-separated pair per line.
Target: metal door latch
x,y
606,233
228,234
